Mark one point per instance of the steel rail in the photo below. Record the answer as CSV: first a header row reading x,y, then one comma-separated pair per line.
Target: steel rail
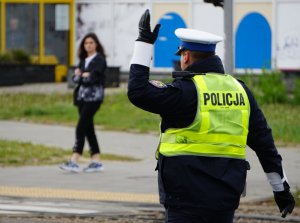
x,y
268,217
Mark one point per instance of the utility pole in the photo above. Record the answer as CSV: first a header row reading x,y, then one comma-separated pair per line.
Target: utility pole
x,y
229,38
227,6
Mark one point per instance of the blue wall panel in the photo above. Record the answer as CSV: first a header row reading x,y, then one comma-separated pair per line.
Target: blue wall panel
x,y
253,43
167,43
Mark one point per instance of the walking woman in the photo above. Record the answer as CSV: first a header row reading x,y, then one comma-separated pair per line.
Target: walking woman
x,y
88,96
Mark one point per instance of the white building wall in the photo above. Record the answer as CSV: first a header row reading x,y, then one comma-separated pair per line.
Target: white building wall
x,y
116,23
209,18
283,17
288,35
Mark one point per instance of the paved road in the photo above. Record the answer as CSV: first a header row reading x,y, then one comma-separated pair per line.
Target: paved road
x,y
127,177
124,187
129,182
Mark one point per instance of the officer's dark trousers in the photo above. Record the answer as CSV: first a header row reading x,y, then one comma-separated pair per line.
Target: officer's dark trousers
x,y
85,127
179,215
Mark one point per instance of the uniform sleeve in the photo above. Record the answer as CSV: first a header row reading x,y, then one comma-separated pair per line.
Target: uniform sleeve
x,y
260,140
155,97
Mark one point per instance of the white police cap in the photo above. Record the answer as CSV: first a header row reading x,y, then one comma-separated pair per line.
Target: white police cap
x,y
196,40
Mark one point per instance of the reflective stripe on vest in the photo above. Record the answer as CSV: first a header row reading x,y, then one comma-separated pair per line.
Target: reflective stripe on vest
x,y
220,127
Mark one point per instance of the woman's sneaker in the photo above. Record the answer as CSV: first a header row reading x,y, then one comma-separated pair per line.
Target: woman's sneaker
x,y
94,167
70,166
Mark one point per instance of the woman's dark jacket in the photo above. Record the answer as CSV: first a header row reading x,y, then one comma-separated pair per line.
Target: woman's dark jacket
x,y
91,89
196,181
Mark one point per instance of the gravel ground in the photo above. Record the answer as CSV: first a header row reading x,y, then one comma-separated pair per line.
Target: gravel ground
x,y
263,212
247,213
149,217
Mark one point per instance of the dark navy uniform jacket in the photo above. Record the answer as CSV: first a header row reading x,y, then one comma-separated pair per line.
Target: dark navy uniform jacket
x,y
197,181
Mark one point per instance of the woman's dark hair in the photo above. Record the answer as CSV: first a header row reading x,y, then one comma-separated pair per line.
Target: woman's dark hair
x,y
82,54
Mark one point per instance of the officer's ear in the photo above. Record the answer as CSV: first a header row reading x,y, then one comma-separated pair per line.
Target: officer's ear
x,y
186,56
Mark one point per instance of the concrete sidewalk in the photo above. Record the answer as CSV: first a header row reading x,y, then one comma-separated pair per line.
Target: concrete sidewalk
x,y
120,181
138,177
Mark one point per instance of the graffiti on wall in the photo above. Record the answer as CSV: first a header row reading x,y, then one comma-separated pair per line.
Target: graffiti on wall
x,y
115,25
289,47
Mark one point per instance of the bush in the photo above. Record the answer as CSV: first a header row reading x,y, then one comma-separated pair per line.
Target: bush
x,y
273,88
267,87
16,56
5,58
296,99
20,56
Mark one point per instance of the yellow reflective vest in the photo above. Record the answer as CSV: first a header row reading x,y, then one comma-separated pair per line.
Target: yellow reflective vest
x,y
220,127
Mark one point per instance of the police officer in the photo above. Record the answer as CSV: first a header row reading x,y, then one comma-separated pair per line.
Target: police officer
x,y
208,118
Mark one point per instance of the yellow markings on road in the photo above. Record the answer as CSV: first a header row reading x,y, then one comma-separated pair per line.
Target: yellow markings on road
x,y
35,192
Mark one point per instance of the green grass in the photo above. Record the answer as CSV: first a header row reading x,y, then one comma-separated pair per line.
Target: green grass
x,y
284,121
54,108
14,153
117,113
297,197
